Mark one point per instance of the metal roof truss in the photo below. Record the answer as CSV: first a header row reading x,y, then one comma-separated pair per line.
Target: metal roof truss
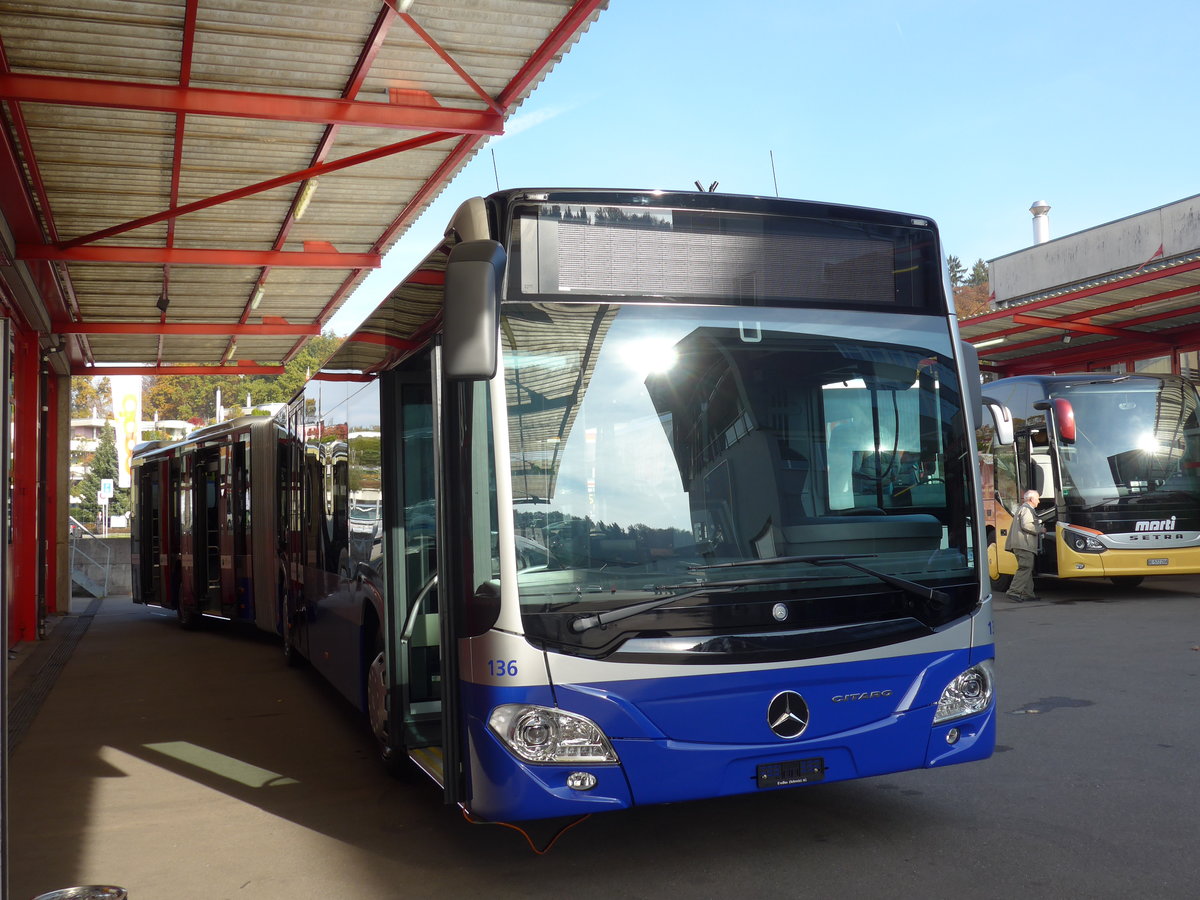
x,y
160,159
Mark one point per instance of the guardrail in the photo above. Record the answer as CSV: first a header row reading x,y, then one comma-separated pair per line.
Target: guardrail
x,y
84,544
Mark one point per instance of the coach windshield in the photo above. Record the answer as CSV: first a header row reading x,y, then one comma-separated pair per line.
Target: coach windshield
x,y
776,480
1132,443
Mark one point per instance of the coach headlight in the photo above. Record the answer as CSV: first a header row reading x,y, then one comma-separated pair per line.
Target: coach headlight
x,y
1082,543
969,693
541,734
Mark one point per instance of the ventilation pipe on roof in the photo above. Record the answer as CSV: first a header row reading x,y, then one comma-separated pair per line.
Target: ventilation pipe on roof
x,y
1041,221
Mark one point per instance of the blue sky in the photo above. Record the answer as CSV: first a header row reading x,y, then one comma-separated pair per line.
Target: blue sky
x,y
965,112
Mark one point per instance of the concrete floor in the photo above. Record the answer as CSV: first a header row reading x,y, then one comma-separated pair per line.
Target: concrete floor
x,y
178,764
186,765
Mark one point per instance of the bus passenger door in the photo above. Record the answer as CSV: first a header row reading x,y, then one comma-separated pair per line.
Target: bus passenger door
x,y
144,545
238,505
206,533
1038,474
414,647
421,683
171,555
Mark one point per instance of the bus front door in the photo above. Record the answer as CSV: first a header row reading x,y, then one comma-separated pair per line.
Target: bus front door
x,y
421,683
413,611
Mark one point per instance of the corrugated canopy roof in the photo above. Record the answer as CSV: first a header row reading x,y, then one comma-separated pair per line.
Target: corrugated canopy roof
x,y
187,182
1143,312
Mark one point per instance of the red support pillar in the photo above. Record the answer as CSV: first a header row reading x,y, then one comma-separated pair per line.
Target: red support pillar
x,y
54,481
25,445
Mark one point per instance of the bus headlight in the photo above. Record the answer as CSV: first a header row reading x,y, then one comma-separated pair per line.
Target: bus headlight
x,y
1082,543
540,734
969,693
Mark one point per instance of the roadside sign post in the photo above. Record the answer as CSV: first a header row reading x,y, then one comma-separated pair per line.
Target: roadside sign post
x,y
102,497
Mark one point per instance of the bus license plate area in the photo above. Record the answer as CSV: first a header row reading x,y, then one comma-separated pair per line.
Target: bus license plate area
x,y
1161,561
794,771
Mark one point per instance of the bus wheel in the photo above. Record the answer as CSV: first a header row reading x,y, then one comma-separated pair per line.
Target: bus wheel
x,y
379,709
1001,582
1126,581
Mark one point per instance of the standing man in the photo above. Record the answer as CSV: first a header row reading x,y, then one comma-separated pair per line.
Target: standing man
x,y
1024,540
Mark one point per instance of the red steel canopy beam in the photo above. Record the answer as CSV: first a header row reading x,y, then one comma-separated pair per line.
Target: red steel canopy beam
x,y
366,58
1135,302
245,104
525,77
567,26
268,185
186,328
187,46
447,59
239,369
1084,328
1062,359
1090,292
432,185
181,257
1092,313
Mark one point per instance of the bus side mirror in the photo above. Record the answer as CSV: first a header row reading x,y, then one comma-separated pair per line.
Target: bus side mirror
x,y
1064,417
471,310
1003,419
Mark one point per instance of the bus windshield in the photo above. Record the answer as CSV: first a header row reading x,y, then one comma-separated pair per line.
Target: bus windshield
x,y
652,446
1133,438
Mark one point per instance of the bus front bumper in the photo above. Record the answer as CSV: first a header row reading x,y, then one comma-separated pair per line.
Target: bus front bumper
x,y
1125,563
504,788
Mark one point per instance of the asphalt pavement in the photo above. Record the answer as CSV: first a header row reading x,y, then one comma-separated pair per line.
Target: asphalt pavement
x,y
197,765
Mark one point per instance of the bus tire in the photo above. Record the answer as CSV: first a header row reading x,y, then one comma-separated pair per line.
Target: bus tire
x,y
1127,581
1001,582
379,709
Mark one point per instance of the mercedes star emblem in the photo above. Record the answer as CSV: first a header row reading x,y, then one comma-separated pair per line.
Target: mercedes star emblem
x,y
787,714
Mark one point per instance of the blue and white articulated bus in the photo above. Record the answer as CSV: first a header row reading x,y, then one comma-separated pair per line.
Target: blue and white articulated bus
x,y
634,497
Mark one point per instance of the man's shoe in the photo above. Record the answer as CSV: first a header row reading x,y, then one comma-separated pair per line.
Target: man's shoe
x,y
1016,598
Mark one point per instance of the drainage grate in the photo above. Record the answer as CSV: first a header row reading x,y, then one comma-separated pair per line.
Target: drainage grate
x,y
25,707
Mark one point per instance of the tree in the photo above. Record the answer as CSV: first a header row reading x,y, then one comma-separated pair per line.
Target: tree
x,y
972,293
971,300
103,465
88,395
954,264
188,397
183,396
979,274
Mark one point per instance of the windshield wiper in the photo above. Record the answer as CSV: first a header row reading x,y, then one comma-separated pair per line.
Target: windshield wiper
x,y
585,623
1074,384
911,587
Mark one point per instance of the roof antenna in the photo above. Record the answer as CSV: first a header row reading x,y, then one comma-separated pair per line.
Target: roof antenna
x,y
495,171
773,178
712,187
